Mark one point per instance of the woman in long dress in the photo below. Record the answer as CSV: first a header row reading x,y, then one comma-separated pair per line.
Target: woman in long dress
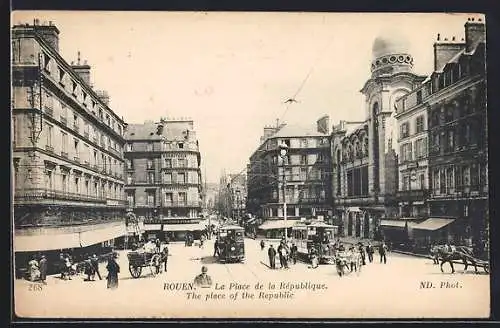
x,y
113,270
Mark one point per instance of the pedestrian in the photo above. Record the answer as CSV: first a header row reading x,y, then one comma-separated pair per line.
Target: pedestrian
x,y
43,269
164,257
203,280
67,266
33,270
283,252
369,252
272,257
94,261
216,247
293,253
186,240
62,266
314,258
262,244
382,250
158,245
113,270
89,269
362,253
280,255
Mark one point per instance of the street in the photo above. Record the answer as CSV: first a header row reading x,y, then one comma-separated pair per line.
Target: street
x,y
405,287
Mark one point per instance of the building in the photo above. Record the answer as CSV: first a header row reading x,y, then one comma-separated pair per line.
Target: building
x,y
364,154
163,177
67,151
238,189
458,145
305,170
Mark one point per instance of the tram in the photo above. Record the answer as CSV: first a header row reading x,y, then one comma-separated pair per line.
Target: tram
x,y
319,235
231,243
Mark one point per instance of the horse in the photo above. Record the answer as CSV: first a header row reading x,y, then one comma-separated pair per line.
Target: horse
x,y
455,253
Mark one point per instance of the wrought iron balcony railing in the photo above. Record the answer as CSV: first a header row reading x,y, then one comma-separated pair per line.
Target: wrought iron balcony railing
x,y
34,194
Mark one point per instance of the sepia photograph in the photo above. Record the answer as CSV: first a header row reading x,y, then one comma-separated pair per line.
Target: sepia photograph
x,y
249,165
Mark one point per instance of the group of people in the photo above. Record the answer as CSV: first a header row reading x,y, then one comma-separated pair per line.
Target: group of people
x,y
286,253
37,269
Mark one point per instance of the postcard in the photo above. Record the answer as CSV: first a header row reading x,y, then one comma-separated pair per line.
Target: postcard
x,y
249,165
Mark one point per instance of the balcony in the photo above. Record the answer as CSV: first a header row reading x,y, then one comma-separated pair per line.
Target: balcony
x,y
64,120
49,148
36,194
413,195
64,154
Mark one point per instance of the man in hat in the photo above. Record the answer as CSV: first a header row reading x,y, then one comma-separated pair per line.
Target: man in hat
x,y
94,261
203,280
272,257
43,269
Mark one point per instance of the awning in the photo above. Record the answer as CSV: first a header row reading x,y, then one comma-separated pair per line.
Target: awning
x,y
277,224
432,224
46,242
397,223
150,227
183,227
353,209
92,237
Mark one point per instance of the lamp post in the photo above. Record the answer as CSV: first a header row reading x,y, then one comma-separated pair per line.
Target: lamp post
x,y
283,153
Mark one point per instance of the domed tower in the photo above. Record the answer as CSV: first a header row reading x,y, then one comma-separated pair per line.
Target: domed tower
x,y
392,76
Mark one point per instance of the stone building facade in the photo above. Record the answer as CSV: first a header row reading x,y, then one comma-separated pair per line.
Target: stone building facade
x,y
67,149
163,175
368,152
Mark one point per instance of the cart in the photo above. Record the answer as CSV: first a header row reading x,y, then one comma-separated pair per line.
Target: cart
x,y
138,260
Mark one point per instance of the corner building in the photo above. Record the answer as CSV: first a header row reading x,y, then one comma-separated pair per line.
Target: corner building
x,y
364,154
67,152
164,185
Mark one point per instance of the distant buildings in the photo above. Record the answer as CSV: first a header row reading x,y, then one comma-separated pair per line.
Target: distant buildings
x,y
306,170
67,150
238,189
163,176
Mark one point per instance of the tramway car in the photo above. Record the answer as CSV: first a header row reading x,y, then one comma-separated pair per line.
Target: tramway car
x,y
231,243
319,235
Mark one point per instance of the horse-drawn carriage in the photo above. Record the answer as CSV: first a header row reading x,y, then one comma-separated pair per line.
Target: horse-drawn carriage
x,y
453,254
146,259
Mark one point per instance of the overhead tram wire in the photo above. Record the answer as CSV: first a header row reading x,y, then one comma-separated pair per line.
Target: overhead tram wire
x,y
301,86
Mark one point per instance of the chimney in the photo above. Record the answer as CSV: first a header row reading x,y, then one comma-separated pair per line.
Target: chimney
x,y
323,125
49,32
474,34
103,96
83,70
444,51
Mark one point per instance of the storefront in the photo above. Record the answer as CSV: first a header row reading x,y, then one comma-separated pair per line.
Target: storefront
x,y
275,229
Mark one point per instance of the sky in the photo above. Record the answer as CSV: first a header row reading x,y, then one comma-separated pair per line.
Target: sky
x,y
232,72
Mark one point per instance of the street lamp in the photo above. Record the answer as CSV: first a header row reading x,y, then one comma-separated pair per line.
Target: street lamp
x,y
283,147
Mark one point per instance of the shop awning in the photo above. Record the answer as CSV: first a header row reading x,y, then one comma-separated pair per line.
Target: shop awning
x,y
433,224
183,227
152,227
397,223
277,224
46,242
99,235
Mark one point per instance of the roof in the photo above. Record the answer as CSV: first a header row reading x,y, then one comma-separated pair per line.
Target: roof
x,y
148,130
432,224
298,131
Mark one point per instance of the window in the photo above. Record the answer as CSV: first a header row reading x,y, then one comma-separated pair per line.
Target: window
x,y
77,150
129,164
303,143
419,97
75,85
303,173
182,162
406,152
168,198
64,182
421,148
450,181
87,188
108,120
48,128
77,184
129,147
168,177
48,179
64,138
180,145
150,164
420,124
95,157
129,178
442,181
168,162
404,130
151,177
451,140
435,182
474,177
406,182
182,198
130,198
149,146
181,178
421,181
151,198
303,159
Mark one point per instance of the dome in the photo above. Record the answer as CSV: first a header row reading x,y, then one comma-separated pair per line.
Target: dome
x,y
390,43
